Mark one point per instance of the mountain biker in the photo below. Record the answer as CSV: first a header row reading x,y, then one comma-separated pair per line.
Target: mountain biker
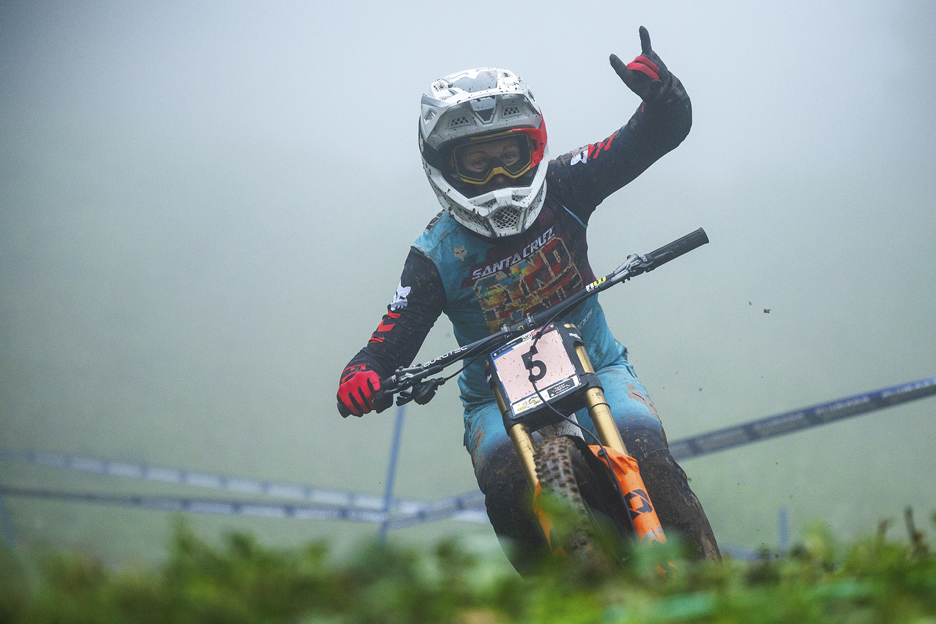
x,y
511,241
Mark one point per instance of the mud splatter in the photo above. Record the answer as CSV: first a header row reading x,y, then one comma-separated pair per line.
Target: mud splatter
x,y
637,396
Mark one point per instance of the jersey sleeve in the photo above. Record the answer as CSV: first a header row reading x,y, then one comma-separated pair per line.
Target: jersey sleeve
x,y
417,303
583,178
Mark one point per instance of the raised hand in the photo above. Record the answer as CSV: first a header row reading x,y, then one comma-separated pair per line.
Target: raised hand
x,y
646,75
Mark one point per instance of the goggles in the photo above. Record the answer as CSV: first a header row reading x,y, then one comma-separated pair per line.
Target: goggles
x,y
511,153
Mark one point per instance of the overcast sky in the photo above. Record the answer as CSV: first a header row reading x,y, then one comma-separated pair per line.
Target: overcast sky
x,y
204,208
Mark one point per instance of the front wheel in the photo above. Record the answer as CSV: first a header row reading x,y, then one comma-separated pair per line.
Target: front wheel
x,y
591,521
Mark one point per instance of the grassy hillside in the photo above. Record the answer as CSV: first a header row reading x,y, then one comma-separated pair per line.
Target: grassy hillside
x,y
878,579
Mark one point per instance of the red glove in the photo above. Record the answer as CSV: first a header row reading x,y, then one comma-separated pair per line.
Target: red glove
x,y
356,392
646,75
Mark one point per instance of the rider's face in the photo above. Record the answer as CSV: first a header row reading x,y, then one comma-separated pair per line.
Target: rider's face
x,y
476,158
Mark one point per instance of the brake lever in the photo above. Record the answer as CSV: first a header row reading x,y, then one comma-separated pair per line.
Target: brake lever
x,y
404,396
427,389
422,392
632,262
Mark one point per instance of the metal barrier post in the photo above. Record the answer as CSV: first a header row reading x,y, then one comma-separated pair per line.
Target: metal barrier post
x,y
7,523
783,531
391,473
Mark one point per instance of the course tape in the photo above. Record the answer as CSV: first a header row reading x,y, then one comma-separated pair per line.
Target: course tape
x,y
338,505
241,508
343,499
789,422
209,506
467,507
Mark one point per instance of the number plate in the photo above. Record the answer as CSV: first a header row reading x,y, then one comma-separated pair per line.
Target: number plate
x,y
548,363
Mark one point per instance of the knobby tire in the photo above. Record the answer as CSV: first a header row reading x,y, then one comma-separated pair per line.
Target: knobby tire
x,y
595,513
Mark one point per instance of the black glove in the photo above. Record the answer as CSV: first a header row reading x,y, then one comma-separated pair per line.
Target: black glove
x,y
646,75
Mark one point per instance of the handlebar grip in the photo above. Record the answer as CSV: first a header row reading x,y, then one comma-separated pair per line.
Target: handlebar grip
x,y
382,400
343,410
675,249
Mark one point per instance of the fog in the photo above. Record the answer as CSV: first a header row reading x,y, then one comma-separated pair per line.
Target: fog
x,y
205,207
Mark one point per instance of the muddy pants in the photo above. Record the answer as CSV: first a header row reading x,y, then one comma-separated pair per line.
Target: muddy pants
x,y
507,494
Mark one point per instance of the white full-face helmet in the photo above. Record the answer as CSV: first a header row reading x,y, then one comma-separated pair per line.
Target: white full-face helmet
x,y
479,112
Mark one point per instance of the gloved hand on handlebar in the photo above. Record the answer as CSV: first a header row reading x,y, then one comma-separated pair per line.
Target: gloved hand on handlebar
x,y
358,385
646,75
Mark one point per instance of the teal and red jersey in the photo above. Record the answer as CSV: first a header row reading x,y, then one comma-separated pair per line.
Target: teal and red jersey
x,y
488,284
482,284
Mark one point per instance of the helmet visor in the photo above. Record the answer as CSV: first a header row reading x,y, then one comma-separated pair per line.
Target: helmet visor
x,y
510,153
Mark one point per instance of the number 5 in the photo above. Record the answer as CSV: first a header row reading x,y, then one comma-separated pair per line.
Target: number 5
x,y
530,364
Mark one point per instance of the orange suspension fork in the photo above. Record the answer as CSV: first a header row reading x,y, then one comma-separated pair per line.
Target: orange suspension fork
x,y
644,516
646,523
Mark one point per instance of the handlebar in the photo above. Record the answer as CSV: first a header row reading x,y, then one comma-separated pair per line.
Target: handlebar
x,y
678,247
411,384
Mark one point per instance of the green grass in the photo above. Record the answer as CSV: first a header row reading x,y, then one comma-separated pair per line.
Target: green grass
x,y
872,580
